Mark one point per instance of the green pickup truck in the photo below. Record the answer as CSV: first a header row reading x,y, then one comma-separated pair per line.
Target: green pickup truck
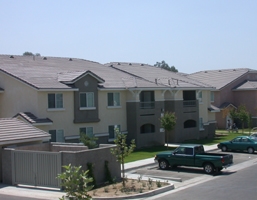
x,y
193,155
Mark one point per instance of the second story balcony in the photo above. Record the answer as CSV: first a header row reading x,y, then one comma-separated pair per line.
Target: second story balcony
x,y
189,103
147,105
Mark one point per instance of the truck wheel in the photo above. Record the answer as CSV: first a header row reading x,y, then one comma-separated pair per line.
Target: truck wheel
x,y
163,164
250,150
224,148
208,168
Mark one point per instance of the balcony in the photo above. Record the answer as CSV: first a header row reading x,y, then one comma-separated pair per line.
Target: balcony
x,y
147,105
190,103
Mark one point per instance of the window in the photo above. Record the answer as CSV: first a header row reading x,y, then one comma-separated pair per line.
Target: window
x,y
55,100
112,131
57,135
114,99
200,96
147,128
147,100
190,124
212,96
201,124
87,100
87,130
189,151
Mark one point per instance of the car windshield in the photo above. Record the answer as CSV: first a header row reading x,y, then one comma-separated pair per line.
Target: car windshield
x,y
254,138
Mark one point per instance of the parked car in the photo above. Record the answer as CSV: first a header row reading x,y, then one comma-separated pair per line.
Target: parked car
x,y
240,143
193,155
254,135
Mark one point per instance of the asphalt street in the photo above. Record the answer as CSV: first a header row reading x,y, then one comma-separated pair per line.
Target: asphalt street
x,y
241,184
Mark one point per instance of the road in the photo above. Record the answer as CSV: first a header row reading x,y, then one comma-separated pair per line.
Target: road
x,y
182,174
237,182
10,197
237,186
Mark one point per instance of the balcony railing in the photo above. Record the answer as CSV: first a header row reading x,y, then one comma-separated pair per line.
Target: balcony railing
x,y
147,105
191,103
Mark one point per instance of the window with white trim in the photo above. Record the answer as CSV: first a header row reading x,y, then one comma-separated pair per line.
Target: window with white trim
x,y
86,100
55,100
114,99
87,130
200,96
212,96
57,135
111,130
201,123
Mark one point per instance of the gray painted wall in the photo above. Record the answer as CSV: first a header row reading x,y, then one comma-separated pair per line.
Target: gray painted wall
x,y
84,116
73,154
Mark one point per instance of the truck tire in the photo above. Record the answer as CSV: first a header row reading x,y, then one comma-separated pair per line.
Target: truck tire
x,y
208,168
250,150
163,164
224,148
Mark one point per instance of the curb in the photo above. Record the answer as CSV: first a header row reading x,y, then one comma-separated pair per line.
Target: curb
x,y
140,195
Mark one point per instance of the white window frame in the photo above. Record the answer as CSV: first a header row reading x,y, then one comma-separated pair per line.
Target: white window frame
x,y
201,127
114,127
200,96
89,100
58,101
116,99
89,131
59,135
212,96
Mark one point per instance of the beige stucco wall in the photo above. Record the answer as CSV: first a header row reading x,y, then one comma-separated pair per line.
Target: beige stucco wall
x,y
111,115
15,99
203,107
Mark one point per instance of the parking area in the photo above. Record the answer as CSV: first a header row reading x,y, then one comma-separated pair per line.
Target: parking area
x,y
182,174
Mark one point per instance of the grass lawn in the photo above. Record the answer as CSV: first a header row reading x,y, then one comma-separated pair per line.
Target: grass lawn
x,y
221,135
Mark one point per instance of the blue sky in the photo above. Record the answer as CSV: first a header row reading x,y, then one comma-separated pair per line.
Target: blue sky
x,y
192,35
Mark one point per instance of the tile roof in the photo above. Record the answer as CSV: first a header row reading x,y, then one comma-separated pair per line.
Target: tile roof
x,y
13,131
213,108
160,77
32,119
45,73
226,105
49,73
219,78
248,85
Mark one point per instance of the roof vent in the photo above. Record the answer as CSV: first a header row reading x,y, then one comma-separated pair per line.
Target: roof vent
x,y
205,72
70,59
118,63
234,69
142,64
45,58
219,70
111,65
11,57
156,81
130,64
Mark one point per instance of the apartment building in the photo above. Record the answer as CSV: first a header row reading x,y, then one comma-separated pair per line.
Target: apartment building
x,y
233,87
68,96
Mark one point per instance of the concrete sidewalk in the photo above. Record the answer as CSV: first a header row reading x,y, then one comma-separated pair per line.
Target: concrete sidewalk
x,y
48,194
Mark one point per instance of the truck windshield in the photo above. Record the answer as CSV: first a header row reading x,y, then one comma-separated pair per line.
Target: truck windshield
x,y
199,149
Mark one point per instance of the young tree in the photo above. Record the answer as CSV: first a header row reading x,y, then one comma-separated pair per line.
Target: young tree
x,y
89,141
243,115
76,182
122,150
168,122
